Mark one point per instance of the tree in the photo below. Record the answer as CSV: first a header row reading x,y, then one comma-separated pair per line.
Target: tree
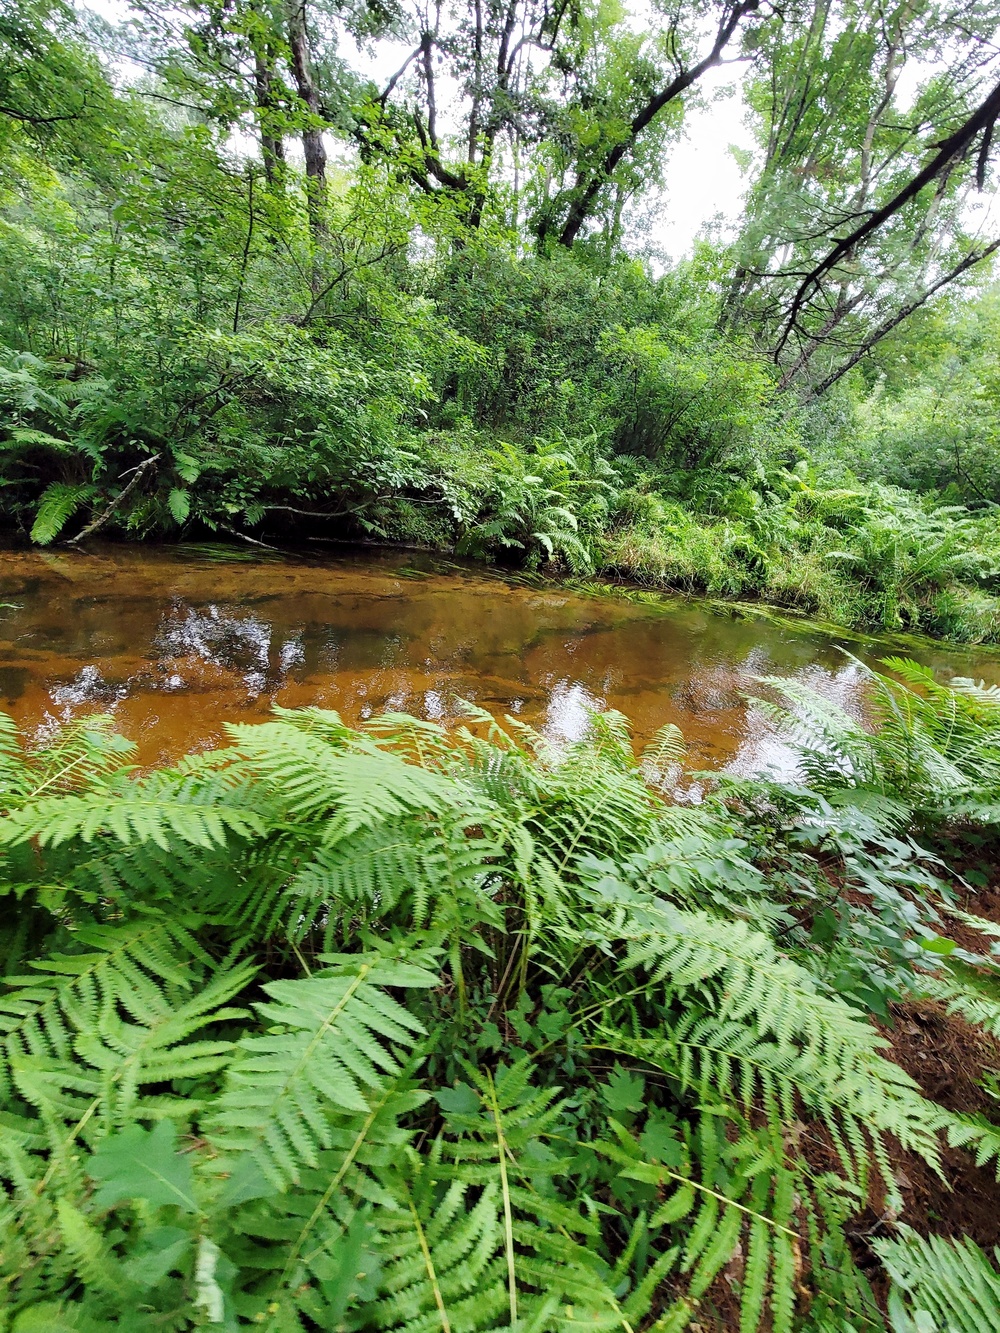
x,y
858,214
49,82
565,109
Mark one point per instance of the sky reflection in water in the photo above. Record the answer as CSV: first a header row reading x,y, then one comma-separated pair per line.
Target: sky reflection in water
x,y
174,642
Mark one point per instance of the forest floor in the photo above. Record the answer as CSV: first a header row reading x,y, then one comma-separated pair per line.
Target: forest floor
x,y
949,1059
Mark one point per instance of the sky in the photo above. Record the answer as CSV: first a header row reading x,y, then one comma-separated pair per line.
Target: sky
x,y
702,177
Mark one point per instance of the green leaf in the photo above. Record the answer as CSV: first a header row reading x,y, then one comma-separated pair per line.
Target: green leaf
x,y
46,1318
164,1251
939,944
188,468
459,1100
56,507
179,504
624,1091
659,1141
143,1164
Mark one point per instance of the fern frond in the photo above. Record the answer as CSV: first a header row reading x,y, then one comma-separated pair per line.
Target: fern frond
x,y
126,968
971,996
939,1285
130,815
443,1266
666,747
15,780
330,1043
801,1038
58,504
350,788
82,753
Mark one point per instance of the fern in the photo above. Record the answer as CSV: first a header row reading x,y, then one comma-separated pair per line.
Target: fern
x,y
937,750
330,1045
768,1030
82,753
971,996
57,506
130,816
940,1286
354,788
444,1267
113,968
208,1115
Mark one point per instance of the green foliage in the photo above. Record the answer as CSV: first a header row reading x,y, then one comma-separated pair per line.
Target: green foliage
x,y
940,1285
932,753
694,410
57,505
404,1029
224,347
449,1030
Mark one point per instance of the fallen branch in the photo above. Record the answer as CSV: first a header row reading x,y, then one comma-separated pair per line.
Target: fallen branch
x,y
102,518
234,532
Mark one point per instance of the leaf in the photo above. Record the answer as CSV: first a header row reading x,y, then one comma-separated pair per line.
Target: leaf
x,y
40,439
46,1318
459,1100
939,944
164,1251
624,1091
188,468
659,1141
143,1164
57,505
330,1038
179,504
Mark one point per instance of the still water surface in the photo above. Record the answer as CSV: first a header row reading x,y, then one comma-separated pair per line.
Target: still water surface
x,y
176,641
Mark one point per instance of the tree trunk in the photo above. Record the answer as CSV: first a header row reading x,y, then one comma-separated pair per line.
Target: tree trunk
x,y
312,134
272,146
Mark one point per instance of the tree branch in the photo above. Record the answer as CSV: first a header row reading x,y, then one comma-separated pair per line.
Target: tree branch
x,y
120,498
956,145
970,260
581,207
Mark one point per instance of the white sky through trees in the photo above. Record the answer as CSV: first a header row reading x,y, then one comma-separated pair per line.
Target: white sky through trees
x,y
703,180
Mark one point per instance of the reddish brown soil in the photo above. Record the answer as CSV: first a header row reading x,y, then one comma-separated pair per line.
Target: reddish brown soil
x,y
948,1058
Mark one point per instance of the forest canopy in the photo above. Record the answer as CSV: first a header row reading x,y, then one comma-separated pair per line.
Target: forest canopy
x,y
250,286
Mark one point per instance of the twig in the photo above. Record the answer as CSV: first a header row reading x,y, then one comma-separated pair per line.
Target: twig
x,y
100,521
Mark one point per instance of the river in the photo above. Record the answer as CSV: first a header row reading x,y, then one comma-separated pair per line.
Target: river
x,y
175,641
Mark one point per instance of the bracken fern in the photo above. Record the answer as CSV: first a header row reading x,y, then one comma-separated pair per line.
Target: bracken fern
x,y
413,1030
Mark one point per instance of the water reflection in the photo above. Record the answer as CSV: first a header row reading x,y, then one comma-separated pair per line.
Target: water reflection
x,y
175,643
569,709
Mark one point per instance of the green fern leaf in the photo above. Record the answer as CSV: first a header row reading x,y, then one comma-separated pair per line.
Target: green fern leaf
x,y
57,506
326,1056
940,1286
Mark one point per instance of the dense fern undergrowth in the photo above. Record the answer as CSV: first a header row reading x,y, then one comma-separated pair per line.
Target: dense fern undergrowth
x,y
755,517
415,1029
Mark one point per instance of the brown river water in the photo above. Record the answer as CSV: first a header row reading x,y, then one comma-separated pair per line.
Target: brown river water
x,y
176,641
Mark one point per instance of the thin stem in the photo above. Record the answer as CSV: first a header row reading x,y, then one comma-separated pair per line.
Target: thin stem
x,y
429,1265
508,1223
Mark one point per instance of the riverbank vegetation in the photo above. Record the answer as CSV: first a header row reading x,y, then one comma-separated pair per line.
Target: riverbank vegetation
x,y
251,284
416,1029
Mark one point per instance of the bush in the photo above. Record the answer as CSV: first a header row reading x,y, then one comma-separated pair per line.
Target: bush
x,y
692,410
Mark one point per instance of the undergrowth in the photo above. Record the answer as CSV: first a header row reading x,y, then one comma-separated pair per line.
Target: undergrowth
x,y
404,1028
